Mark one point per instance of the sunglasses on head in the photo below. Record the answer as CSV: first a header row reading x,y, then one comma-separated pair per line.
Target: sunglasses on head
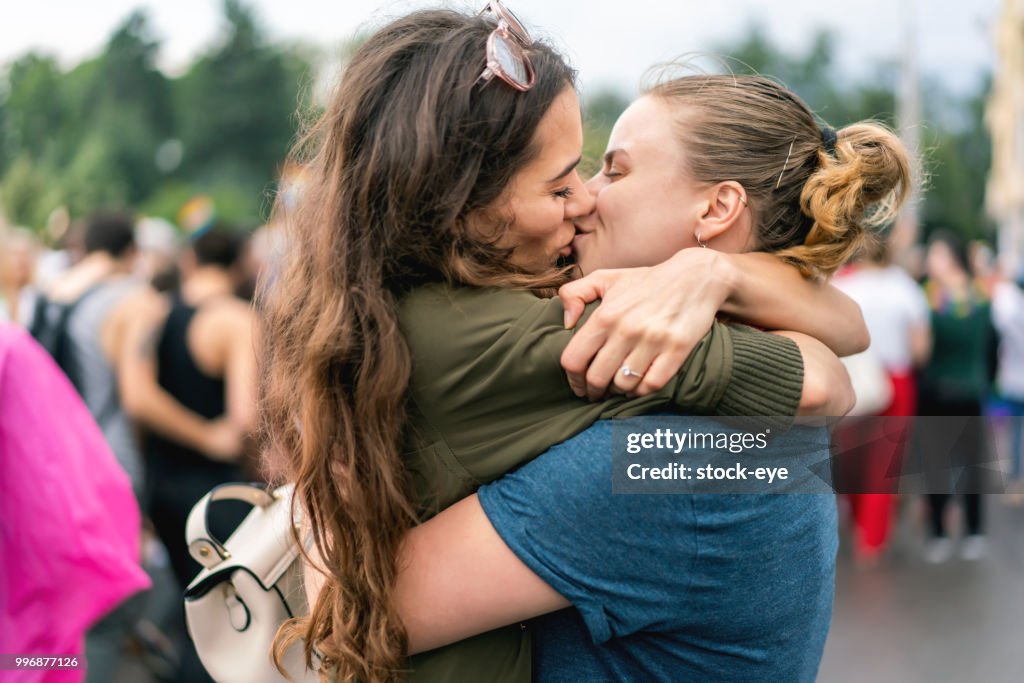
x,y
506,50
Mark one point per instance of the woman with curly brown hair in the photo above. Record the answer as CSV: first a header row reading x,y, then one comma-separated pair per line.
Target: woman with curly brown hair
x,y
411,353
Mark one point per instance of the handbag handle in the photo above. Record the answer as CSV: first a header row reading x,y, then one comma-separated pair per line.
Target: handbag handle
x,y
202,545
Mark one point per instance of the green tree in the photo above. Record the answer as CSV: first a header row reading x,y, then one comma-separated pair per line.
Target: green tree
x,y
600,113
127,106
127,73
236,106
814,76
95,177
959,157
28,193
33,107
5,150
957,149
93,131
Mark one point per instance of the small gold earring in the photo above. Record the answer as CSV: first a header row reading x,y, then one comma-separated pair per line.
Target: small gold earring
x,y
744,200
702,244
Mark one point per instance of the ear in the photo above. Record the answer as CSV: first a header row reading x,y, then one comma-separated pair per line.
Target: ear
x,y
726,205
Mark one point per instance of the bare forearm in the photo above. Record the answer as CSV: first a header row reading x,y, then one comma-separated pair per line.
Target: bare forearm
x,y
241,387
920,344
771,294
159,412
459,579
827,389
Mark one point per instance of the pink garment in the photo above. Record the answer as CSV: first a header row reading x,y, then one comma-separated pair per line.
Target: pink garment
x,y
69,524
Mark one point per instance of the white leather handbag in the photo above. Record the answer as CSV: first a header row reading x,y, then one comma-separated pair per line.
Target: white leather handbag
x,y
249,585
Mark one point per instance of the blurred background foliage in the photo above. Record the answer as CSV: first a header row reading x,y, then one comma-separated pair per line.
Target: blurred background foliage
x,y
116,130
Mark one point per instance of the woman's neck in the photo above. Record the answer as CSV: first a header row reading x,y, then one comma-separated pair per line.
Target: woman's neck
x,y
9,293
205,283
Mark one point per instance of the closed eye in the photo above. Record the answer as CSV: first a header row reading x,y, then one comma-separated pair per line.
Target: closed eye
x,y
609,169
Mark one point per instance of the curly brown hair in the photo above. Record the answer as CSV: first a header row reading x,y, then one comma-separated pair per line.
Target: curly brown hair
x,y
409,147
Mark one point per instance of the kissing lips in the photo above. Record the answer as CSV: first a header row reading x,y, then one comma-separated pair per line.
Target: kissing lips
x,y
579,235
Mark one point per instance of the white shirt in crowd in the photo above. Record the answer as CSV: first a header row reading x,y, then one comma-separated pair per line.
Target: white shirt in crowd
x,y
26,307
893,305
1008,318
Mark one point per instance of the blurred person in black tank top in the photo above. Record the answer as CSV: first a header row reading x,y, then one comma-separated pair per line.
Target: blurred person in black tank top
x,y
197,344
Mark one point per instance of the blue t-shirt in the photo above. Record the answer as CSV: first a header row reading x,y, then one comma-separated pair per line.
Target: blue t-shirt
x,y
724,587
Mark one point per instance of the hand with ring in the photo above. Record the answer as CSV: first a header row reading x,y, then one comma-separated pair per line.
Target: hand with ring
x,y
648,322
626,372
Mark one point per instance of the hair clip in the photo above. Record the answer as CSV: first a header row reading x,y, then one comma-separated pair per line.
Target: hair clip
x,y
785,165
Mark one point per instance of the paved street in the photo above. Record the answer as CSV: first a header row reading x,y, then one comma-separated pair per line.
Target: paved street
x,y
907,621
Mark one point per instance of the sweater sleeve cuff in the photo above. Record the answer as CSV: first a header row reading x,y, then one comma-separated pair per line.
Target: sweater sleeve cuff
x,y
767,375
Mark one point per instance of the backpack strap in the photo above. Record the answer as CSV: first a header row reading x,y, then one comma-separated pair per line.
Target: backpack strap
x,y
38,316
50,328
202,545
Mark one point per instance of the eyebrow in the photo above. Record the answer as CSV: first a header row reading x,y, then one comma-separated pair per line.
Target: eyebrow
x,y
568,169
609,156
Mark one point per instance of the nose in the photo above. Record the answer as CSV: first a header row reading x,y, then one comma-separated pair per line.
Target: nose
x,y
597,183
581,203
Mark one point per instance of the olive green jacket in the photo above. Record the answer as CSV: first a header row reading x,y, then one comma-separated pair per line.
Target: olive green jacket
x,y
488,394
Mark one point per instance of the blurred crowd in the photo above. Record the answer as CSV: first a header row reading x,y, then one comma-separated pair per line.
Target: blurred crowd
x,y
156,330
947,345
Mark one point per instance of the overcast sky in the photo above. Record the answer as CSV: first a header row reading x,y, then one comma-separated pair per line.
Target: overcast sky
x,y
611,42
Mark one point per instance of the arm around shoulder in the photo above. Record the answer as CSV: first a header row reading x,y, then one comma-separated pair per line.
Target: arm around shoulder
x,y
772,294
